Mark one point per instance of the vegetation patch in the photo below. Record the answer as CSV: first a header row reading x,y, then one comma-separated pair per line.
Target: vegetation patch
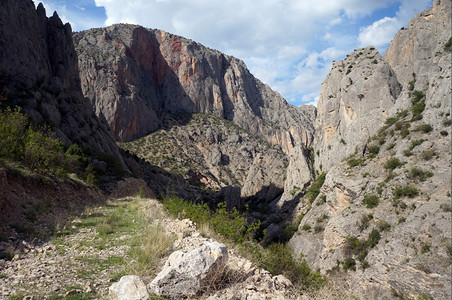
x,y
393,163
405,191
418,104
417,173
314,189
277,258
38,150
371,201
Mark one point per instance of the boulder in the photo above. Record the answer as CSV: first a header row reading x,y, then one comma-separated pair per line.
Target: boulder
x,y
129,287
185,273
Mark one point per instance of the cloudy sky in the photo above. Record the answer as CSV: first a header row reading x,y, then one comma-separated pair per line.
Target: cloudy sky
x,y
288,44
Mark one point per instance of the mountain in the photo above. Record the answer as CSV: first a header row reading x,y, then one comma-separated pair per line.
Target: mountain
x,y
39,72
137,78
134,75
381,222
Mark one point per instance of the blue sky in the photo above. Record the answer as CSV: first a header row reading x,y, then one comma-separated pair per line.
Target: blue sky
x,y
288,44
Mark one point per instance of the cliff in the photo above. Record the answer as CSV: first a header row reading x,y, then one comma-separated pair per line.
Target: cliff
x,y
134,75
381,222
39,72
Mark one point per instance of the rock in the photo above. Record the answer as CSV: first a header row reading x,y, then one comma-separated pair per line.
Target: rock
x,y
402,260
46,84
129,287
185,273
354,102
134,75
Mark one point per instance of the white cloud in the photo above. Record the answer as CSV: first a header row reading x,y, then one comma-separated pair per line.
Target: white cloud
x,y
381,32
286,44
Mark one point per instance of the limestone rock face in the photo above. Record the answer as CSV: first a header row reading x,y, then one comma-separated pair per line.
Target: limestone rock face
x,y
129,287
132,75
399,243
186,272
353,104
39,72
298,174
415,48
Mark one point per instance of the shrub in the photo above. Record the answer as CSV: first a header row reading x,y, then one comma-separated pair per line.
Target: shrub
x,y
393,163
352,161
287,232
417,173
306,227
373,238
406,191
428,154
343,142
444,133
404,132
13,126
349,264
383,225
373,149
447,46
277,259
425,128
370,201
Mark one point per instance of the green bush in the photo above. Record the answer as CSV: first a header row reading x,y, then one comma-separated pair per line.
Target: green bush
x,y
13,127
418,104
349,264
306,227
287,232
393,163
373,238
405,191
425,128
447,46
370,201
37,149
373,149
417,173
277,259
352,161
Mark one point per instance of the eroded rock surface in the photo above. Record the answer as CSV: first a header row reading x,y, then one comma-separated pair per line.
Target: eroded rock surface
x,y
132,75
186,273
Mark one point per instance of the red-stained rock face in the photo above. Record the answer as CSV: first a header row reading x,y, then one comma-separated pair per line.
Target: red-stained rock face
x,y
161,73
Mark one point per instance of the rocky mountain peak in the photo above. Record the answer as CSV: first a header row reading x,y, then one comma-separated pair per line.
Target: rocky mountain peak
x,y
353,103
39,72
137,74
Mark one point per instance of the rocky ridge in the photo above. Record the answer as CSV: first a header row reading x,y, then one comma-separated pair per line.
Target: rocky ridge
x,y
133,75
39,72
384,209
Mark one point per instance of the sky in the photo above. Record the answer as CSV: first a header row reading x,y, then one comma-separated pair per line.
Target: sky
x,y
287,44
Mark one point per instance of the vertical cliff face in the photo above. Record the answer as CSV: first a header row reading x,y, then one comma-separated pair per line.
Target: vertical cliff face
x,y
353,104
382,219
39,72
133,75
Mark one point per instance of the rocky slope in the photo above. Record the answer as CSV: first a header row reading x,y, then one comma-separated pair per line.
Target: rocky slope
x,y
133,75
381,222
213,153
39,72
